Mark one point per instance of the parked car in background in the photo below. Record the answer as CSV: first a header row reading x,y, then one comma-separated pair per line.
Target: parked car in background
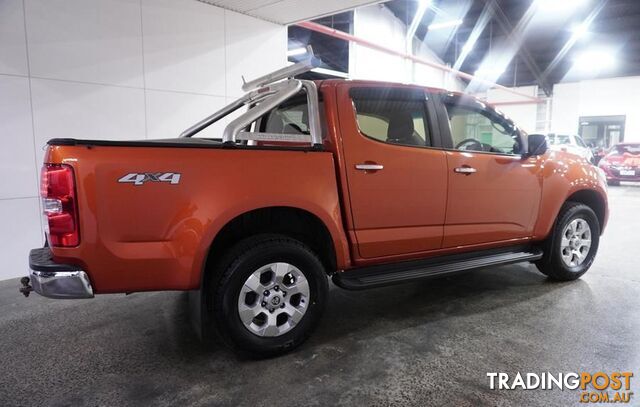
x,y
570,143
598,152
622,163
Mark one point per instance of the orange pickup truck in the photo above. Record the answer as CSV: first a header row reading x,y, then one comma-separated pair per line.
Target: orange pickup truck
x,y
369,183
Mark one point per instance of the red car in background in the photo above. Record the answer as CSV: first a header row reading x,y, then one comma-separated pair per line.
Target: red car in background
x,y
622,163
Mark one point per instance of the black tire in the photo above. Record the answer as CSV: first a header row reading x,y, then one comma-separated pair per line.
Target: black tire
x,y
551,263
613,183
240,262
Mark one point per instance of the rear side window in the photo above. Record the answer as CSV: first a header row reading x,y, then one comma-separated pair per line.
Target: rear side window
x,y
394,116
291,117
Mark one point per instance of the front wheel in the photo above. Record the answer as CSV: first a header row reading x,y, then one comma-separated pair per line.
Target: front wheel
x,y
270,296
570,251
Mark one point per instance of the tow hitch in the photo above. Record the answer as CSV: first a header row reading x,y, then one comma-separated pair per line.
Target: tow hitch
x,y
26,287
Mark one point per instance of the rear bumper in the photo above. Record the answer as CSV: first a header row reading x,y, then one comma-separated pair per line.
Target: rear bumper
x,y
55,280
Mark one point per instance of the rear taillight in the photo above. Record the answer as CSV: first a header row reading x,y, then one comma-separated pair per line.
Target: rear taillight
x,y
57,188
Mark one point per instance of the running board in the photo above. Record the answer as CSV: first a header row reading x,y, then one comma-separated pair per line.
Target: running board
x,y
396,273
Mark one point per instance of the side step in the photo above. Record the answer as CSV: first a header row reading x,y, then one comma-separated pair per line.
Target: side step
x,y
396,273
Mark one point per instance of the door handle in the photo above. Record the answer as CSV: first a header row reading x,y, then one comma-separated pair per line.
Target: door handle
x,y
369,167
466,170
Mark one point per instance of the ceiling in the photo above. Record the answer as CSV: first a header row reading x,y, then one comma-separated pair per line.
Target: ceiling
x,y
289,11
530,38
519,42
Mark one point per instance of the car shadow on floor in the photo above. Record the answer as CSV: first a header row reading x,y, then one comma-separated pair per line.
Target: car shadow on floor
x,y
373,312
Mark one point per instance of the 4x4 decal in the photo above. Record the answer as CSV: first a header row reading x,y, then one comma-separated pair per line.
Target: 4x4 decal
x,y
140,178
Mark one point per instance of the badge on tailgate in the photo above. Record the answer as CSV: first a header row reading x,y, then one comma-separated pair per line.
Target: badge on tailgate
x,y
136,178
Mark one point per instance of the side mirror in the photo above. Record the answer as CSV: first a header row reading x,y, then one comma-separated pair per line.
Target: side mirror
x,y
537,144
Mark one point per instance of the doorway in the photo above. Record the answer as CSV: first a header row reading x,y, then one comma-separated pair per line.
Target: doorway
x,y
602,132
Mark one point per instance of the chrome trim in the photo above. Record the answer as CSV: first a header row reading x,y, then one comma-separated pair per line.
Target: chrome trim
x,y
465,170
248,135
266,93
290,88
209,120
305,65
369,167
61,284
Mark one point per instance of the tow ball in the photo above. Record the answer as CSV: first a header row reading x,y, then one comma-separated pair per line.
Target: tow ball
x,y
26,287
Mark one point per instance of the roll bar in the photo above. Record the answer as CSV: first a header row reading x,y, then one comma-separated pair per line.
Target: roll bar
x,y
264,94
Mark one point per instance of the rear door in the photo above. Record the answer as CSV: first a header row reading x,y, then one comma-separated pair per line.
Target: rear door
x,y
396,170
493,193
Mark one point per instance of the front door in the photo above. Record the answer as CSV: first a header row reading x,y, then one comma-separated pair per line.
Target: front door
x,y
396,176
494,193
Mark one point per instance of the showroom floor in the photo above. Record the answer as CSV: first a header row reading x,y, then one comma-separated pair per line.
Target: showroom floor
x,y
429,343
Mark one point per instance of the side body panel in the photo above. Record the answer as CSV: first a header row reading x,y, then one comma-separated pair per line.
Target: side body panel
x,y
564,175
497,203
156,236
400,209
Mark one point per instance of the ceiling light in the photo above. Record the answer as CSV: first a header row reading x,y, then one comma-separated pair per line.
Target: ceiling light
x,y
580,30
595,60
445,24
559,5
296,51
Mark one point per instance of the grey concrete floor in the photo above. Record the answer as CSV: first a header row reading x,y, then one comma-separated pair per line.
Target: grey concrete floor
x,y
429,343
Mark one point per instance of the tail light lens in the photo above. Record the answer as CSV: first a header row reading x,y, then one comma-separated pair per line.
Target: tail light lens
x,y
58,192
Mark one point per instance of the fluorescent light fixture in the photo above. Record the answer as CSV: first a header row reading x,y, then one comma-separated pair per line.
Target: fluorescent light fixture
x,y
468,46
580,30
445,24
331,72
559,5
595,60
296,51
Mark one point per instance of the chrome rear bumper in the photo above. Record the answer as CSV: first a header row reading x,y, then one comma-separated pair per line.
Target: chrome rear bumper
x,y
61,284
55,280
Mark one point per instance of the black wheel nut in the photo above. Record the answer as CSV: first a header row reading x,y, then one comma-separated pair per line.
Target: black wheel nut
x,y
276,288
264,303
282,305
266,293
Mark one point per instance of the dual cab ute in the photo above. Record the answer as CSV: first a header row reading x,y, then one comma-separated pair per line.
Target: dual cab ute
x,y
369,183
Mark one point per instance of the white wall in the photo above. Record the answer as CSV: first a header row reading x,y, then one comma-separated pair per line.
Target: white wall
x,y
110,69
377,24
602,97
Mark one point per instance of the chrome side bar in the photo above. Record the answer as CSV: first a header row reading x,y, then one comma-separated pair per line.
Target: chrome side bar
x,y
295,138
264,96
287,72
208,121
314,112
290,88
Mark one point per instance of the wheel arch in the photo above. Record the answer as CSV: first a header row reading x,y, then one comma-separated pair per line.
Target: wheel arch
x,y
594,201
294,222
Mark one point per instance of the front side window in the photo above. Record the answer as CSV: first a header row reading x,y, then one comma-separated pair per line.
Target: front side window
x,y
389,117
474,129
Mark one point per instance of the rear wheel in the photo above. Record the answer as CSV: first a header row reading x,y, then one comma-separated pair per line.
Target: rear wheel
x,y
570,251
270,296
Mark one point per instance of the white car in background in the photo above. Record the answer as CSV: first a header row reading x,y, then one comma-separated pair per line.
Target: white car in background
x,y
570,143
